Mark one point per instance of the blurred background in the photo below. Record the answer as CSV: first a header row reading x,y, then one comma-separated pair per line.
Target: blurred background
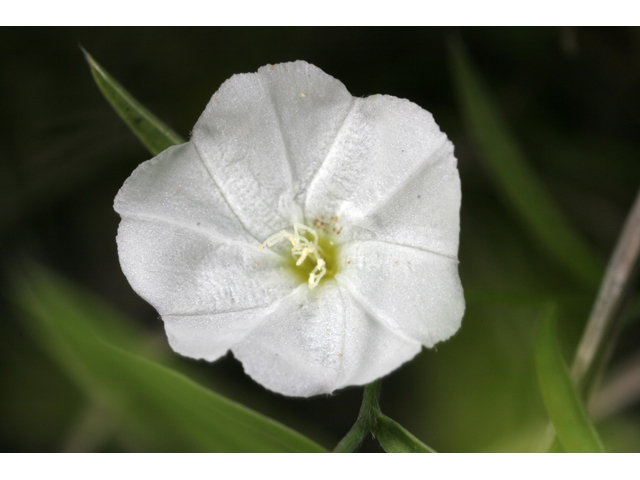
x,y
569,96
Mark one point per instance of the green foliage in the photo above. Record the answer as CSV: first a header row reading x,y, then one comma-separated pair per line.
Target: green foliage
x,y
517,181
152,132
161,409
392,436
570,419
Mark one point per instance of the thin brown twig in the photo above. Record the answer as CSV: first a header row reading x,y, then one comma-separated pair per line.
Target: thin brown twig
x,y
620,390
606,313
605,319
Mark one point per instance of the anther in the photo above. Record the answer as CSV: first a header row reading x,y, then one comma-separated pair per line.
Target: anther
x,y
302,248
317,273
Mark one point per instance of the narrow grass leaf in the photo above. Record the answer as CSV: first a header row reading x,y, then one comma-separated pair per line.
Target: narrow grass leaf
x,y
162,409
152,132
573,426
519,184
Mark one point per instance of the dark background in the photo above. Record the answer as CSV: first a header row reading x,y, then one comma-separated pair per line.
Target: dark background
x,y
571,97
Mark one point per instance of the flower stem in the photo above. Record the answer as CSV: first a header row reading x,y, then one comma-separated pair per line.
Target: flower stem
x,y
393,436
366,418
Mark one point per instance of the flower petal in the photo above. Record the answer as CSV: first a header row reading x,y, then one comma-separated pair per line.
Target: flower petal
x,y
314,342
424,214
264,135
210,336
182,271
412,291
372,349
182,248
389,151
176,188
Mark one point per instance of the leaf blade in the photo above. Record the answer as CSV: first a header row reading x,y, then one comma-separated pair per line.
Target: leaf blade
x,y
394,438
519,184
152,132
163,409
573,426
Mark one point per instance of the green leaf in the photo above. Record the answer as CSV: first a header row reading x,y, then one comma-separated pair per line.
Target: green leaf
x,y
573,426
394,438
161,409
519,185
153,133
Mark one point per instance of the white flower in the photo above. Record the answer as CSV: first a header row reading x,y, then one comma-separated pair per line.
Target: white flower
x,y
284,149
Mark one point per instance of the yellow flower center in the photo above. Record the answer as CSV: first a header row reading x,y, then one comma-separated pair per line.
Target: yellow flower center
x,y
312,256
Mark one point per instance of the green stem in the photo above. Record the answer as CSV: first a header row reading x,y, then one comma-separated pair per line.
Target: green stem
x,y
393,437
365,422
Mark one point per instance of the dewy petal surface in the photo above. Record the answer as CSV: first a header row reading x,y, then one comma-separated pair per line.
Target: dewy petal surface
x,y
317,341
263,136
415,292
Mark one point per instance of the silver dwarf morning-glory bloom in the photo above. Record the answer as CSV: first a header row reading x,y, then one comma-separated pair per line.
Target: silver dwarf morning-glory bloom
x,y
312,233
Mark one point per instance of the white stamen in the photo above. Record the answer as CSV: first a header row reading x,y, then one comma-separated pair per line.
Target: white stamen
x,y
303,255
301,226
302,248
317,273
273,239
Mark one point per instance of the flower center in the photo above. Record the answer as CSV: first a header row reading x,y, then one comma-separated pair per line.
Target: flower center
x,y
311,257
